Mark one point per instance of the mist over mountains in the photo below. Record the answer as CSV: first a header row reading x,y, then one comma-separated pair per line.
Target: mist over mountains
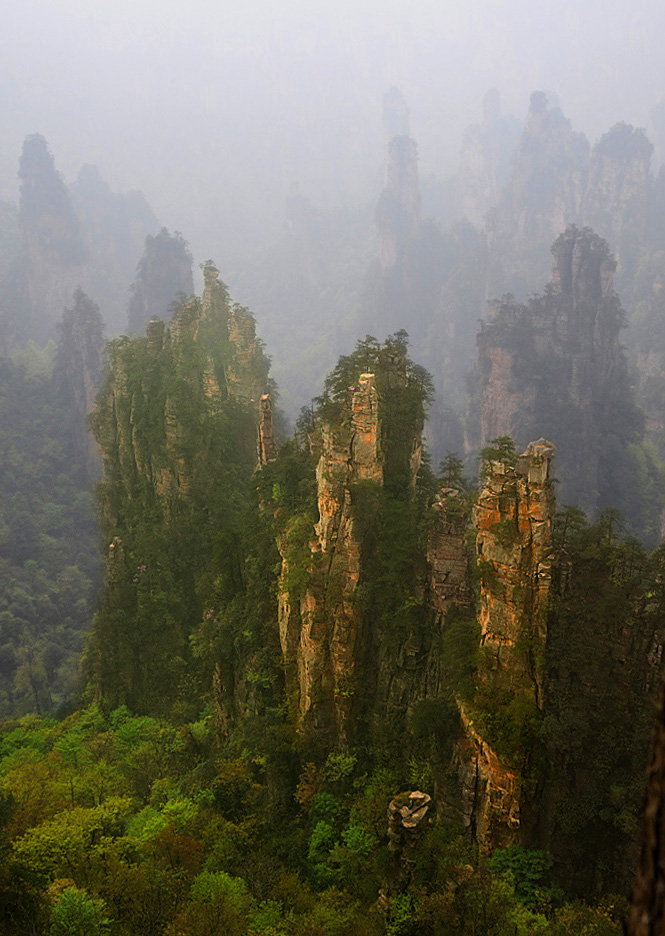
x,y
332,468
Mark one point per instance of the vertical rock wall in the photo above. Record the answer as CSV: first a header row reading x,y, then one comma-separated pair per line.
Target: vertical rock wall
x,y
556,366
321,638
446,553
513,518
208,351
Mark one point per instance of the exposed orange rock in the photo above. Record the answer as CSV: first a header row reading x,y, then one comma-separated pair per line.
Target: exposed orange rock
x,y
266,441
513,518
321,637
491,792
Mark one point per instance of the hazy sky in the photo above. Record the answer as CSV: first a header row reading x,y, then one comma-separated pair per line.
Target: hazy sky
x,y
216,109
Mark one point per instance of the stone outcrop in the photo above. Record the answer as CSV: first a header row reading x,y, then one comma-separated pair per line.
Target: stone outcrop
x,y
114,227
245,379
556,366
54,255
410,814
513,518
332,632
78,373
446,553
323,634
395,114
80,236
266,442
489,792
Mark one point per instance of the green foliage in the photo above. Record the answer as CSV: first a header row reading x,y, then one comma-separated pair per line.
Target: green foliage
x,y
75,913
451,473
400,916
164,272
502,449
389,363
459,650
527,869
59,846
49,566
596,711
191,551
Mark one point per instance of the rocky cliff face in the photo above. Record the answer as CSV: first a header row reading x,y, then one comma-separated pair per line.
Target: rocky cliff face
x,y
54,256
447,554
114,227
202,354
179,446
513,517
324,633
395,114
78,374
556,365
330,626
83,236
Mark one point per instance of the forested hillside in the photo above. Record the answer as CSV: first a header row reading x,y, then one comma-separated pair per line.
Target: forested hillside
x,y
373,649
295,640
49,561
